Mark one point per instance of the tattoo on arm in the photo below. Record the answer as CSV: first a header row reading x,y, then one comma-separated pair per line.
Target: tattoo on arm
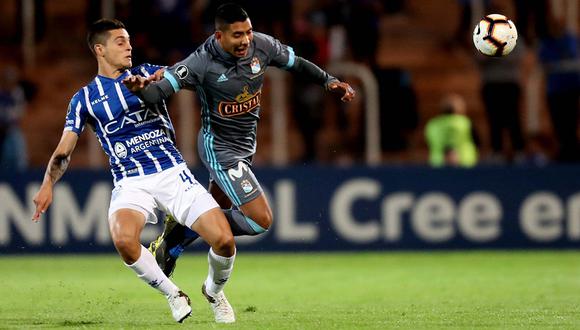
x,y
57,167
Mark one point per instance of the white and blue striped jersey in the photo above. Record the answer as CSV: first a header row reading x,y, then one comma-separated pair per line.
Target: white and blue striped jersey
x,y
138,138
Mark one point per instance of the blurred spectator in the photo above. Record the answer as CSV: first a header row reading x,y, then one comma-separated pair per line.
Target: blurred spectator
x,y
501,77
308,98
362,25
450,135
398,107
531,19
463,32
13,155
559,53
501,92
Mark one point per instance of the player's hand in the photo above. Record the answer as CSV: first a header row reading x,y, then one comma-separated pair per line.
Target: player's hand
x,y
344,89
158,75
42,200
137,83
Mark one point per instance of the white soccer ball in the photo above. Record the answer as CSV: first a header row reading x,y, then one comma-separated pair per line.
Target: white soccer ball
x,y
495,35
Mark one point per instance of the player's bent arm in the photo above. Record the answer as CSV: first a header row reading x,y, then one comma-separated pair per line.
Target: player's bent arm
x,y
61,157
312,71
155,92
57,165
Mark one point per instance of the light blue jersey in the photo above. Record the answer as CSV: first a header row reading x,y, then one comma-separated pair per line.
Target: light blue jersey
x,y
138,138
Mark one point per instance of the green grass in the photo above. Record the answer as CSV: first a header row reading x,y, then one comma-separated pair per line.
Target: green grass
x,y
305,291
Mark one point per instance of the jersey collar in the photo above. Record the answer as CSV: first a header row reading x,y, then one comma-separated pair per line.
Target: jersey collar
x,y
119,78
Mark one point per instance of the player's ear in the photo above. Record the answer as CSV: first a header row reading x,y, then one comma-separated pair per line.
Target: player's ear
x,y
218,35
99,49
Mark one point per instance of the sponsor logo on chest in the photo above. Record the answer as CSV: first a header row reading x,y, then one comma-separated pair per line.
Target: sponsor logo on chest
x,y
136,118
245,102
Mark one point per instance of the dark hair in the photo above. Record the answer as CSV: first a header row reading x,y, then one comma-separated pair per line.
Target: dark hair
x,y
229,13
99,31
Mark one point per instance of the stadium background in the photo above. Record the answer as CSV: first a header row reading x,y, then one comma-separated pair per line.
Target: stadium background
x,y
339,179
415,53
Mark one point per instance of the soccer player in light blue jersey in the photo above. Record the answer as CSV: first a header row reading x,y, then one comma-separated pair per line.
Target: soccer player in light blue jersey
x,y
148,172
227,72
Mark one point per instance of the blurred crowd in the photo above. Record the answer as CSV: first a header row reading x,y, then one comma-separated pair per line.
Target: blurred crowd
x,y
441,130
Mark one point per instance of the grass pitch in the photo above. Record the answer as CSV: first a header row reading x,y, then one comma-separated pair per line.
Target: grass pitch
x,y
304,291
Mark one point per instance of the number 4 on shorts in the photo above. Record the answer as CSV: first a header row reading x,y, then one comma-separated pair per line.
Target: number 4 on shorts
x,y
185,178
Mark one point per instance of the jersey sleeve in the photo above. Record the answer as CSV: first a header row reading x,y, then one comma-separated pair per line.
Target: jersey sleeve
x,y
187,73
76,116
280,55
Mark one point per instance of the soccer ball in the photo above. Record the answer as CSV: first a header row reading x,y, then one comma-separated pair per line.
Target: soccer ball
x,y
495,35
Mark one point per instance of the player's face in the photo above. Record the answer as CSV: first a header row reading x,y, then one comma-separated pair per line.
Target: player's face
x,y
117,49
237,38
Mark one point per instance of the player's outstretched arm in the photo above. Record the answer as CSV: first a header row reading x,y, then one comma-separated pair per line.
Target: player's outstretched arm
x,y
314,73
56,167
150,89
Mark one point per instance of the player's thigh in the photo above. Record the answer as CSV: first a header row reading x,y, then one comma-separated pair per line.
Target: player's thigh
x,y
126,225
213,227
218,194
236,181
178,193
133,194
130,208
258,210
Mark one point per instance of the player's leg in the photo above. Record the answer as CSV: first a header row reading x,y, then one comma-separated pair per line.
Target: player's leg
x,y
169,245
258,212
178,237
218,194
251,218
193,207
175,237
125,226
213,227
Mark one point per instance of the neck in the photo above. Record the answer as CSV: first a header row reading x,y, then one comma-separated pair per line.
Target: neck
x,y
109,71
224,54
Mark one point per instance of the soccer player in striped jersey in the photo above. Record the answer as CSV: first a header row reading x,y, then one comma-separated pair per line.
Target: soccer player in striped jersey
x,y
227,72
148,171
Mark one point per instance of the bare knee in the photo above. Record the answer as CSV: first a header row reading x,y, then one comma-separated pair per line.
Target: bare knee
x,y
125,226
128,247
224,245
